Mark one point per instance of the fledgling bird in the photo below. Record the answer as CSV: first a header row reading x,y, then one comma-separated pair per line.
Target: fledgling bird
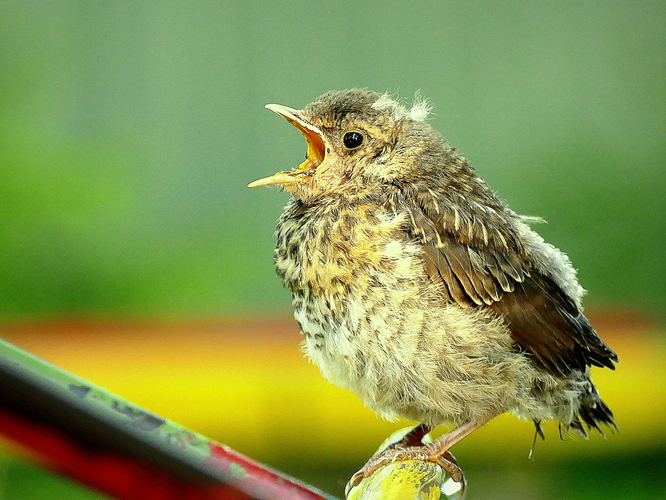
x,y
420,290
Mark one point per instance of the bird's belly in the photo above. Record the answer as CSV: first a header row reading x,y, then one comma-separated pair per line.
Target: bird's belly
x,y
430,364
376,325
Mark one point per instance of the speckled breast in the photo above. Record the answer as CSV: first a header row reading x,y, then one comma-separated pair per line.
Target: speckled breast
x,y
351,271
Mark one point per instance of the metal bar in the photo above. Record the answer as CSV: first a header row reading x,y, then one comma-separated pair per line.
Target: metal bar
x,y
94,436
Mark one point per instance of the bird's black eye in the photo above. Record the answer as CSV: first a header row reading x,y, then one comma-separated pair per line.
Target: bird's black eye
x,y
352,140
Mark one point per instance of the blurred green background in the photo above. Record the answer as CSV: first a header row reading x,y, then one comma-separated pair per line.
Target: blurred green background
x,y
129,130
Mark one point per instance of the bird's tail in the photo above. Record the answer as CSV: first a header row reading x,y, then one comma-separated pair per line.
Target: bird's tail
x,y
593,414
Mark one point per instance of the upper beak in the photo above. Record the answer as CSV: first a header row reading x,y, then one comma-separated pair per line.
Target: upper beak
x,y
316,148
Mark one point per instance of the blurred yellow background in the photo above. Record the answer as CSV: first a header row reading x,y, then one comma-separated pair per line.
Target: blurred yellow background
x,y
132,255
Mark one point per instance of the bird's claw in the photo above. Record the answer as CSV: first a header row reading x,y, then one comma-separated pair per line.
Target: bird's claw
x,y
446,461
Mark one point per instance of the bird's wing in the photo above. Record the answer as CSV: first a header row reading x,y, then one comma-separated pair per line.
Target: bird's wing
x,y
477,266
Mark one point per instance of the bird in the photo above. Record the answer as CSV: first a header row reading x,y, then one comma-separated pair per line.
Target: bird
x,y
416,287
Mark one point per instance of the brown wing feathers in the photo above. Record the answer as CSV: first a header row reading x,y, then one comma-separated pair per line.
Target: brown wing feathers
x,y
542,319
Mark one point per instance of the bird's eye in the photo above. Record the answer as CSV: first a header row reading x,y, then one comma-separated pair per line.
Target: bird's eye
x,y
352,140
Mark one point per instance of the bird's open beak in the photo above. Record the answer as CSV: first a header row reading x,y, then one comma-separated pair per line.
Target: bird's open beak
x,y
317,148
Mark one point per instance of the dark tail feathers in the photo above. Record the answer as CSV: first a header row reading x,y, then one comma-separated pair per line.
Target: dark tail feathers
x,y
594,413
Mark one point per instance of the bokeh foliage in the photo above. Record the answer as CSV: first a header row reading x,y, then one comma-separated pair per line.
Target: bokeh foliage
x,y
128,131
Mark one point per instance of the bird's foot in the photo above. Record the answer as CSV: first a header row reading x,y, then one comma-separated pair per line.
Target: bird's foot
x,y
397,453
410,447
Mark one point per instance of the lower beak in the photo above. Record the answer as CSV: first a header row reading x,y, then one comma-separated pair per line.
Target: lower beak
x,y
279,178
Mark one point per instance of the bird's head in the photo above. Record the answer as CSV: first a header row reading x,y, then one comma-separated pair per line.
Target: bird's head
x,y
358,141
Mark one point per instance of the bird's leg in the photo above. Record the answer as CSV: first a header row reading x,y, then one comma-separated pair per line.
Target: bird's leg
x,y
408,449
413,438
